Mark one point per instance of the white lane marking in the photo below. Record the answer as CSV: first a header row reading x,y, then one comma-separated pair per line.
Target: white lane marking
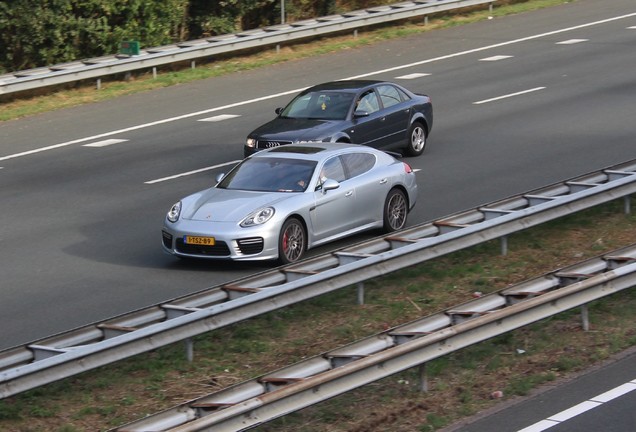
x,y
615,392
155,123
631,28
571,41
508,95
488,47
412,76
290,92
496,58
574,411
191,172
220,118
105,143
581,408
540,426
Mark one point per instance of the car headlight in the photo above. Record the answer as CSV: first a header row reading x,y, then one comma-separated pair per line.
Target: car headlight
x,y
175,211
251,142
259,217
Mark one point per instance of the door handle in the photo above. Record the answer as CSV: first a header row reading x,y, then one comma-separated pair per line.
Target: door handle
x,y
383,181
348,194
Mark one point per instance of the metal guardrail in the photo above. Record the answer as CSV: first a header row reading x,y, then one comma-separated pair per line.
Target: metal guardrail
x,y
85,348
335,372
201,48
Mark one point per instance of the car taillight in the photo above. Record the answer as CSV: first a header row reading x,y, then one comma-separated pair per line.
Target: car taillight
x,y
407,168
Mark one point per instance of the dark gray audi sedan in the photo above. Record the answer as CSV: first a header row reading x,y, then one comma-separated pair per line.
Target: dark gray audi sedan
x,y
378,114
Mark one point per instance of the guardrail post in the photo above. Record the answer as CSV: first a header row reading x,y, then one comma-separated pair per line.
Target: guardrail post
x,y
628,204
99,84
423,378
361,293
154,72
585,318
504,245
189,346
282,11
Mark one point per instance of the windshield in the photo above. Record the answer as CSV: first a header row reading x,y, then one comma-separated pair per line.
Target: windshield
x,y
270,175
322,105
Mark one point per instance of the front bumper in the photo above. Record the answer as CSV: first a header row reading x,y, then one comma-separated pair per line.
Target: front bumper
x,y
231,241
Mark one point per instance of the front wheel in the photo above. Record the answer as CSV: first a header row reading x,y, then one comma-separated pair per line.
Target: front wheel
x,y
395,211
292,242
416,139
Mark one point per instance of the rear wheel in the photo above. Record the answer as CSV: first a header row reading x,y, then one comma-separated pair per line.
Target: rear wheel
x,y
292,242
416,139
395,211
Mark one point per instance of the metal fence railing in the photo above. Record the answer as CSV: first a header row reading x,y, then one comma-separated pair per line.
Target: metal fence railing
x,y
335,372
151,58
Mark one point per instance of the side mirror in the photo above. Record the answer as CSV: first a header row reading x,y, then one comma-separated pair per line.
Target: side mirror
x,y
330,184
278,110
360,113
219,177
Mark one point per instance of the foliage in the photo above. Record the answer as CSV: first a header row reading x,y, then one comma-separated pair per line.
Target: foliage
x,y
35,34
38,34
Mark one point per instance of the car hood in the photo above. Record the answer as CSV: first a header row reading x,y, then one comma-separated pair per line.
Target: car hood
x,y
225,205
295,129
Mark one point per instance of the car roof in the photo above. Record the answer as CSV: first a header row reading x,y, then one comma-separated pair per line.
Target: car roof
x,y
313,151
346,85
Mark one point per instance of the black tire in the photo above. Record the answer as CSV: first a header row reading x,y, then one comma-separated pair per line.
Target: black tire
x,y
395,211
416,139
292,242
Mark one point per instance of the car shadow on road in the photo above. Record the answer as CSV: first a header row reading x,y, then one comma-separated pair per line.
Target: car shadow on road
x,y
140,247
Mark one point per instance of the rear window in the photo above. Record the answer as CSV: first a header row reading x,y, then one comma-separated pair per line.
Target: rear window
x,y
358,163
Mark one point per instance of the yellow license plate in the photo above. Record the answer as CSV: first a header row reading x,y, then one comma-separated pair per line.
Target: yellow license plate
x,y
196,240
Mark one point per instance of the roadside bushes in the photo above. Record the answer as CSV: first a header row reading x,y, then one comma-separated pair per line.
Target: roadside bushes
x,y
40,33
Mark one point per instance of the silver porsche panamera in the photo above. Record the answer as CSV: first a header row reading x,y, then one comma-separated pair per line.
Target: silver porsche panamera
x,y
280,202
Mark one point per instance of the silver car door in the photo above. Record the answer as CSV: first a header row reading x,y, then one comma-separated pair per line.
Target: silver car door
x,y
334,211
371,186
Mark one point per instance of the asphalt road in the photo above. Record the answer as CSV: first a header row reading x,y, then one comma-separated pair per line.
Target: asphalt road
x,y
520,102
602,399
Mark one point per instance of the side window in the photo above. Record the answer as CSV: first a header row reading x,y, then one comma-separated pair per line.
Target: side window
x,y
332,169
404,96
368,102
390,95
358,163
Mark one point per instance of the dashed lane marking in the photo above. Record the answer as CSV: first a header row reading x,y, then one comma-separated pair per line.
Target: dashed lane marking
x,y
105,143
508,95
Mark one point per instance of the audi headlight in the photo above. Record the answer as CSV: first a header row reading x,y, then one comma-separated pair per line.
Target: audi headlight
x,y
175,211
259,217
251,142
